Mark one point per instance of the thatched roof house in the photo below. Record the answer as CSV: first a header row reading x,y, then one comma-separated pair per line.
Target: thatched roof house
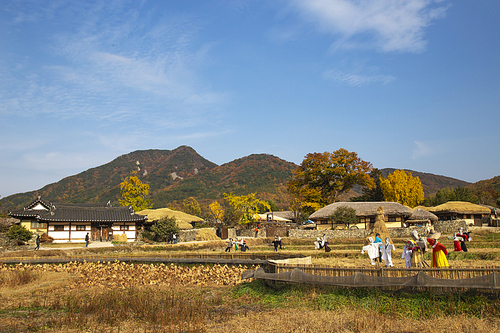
x,y
460,210
421,216
184,220
366,212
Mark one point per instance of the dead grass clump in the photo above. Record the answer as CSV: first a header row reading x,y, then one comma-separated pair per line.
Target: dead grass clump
x,y
18,277
206,234
44,238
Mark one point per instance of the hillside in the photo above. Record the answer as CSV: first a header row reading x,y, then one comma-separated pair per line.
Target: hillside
x,y
159,168
264,174
174,175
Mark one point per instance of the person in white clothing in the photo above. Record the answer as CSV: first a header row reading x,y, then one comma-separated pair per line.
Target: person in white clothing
x,y
386,250
407,253
372,250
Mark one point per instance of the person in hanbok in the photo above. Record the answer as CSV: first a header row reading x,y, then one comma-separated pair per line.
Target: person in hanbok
x,y
465,238
372,250
439,251
386,252
456,243
407,253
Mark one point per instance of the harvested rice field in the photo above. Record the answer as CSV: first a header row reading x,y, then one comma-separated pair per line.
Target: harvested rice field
x,y
119,297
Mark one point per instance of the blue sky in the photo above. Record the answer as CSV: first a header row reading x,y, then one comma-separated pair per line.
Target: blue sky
x,y
406,84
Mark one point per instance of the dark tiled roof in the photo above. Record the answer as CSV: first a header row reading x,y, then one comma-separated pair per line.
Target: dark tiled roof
x,y
78,213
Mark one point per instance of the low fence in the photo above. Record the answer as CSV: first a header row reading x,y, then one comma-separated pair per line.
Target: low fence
x,y
436,279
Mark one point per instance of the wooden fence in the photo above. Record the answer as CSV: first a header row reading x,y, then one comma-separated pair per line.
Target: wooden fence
x,y
443,273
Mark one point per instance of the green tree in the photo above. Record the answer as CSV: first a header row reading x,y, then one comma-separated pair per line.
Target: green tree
x,y
191,206
322,178
19,233
402,187
164,227
374,193
247,205
344,215
134,193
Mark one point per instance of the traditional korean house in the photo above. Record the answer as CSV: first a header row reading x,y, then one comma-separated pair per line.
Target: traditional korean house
x,y
71,222
421,217
460,210
366,212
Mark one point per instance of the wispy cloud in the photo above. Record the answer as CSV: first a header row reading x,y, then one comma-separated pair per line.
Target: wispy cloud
x,y
114,64
386,25
357,80
422,149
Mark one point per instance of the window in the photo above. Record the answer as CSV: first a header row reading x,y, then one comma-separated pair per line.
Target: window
x,y
58,228
80,228
124,227
38,225
392,219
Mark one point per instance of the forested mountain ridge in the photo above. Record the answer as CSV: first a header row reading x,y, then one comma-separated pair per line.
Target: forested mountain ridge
x,y
174,175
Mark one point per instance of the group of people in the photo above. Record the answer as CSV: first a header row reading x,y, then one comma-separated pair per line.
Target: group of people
x,y
242,244
172,238
414,249
378,251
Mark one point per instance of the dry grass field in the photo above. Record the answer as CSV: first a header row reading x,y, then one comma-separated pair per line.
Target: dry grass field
x,y
119,297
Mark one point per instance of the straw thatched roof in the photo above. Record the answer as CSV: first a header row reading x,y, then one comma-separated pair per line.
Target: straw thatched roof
x,y
274,218
363,209
459,207
420,215
183,219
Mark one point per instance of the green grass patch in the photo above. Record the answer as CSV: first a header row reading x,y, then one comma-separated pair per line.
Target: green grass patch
x,y
402,304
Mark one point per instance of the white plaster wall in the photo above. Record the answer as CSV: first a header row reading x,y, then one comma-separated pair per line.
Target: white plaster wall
x,y
59,236
130,232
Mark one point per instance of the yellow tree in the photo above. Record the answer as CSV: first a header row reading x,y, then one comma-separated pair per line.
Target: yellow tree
x,y
191,206
402,187
134,193
216,211
247,205
322,177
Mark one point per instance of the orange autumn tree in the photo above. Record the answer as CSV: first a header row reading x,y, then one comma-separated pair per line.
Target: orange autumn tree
x,y
322,177
402,187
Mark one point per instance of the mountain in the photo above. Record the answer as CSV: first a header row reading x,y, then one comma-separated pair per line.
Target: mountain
x,y
172,175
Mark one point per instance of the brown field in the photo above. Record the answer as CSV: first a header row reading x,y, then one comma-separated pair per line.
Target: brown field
x,y
118,297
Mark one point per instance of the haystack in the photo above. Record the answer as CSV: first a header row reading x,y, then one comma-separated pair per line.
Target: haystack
x,y
380,227
183,220
206,234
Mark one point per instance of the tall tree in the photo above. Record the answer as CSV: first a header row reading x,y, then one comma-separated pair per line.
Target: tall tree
x,y
191,206
322,177
374,193
134,193
247,205
402,187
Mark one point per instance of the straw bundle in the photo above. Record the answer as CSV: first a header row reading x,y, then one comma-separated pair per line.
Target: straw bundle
x,y
206,234
380,227
122,238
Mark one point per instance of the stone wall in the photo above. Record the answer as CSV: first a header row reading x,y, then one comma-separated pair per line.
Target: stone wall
x,y
443,227
250,233
189,235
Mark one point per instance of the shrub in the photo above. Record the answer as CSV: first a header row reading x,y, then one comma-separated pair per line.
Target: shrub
x,y
19,233
164,227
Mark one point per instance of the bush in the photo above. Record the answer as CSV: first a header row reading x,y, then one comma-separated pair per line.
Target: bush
x,y
19,233
164,227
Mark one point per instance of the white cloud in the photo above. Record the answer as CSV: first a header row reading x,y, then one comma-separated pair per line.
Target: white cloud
x,y
387,25
354,79
421,150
